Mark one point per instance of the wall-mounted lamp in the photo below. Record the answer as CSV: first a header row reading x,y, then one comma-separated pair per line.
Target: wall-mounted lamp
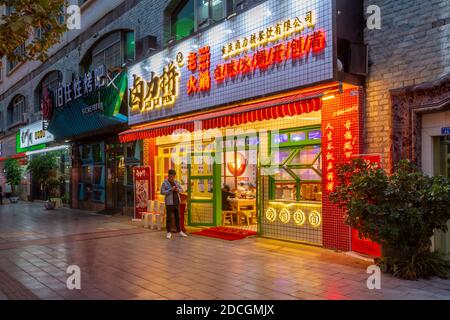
x,y
231,15
329,97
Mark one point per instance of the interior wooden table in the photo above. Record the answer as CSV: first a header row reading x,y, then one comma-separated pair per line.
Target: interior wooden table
x,y
239,205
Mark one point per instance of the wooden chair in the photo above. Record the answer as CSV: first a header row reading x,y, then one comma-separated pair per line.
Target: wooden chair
x,y
245,215
228,215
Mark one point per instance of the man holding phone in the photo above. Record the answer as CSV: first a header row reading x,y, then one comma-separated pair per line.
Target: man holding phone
x,y
171,190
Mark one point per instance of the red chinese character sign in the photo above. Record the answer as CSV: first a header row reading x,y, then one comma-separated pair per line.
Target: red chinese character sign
x,y
200,62
262,59
361,244
340,142
142,190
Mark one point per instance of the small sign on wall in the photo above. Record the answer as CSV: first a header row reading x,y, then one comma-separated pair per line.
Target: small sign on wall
x,y
445,131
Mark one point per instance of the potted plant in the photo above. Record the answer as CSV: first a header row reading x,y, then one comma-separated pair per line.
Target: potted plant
x,y
400,212
51,186
13,175
41,168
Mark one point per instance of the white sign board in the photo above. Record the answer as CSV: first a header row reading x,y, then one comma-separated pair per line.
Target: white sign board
x,y
34,134
275,47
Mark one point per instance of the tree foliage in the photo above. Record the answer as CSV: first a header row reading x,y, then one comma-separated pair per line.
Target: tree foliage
x,y
42,167
20,27
400,212
13,173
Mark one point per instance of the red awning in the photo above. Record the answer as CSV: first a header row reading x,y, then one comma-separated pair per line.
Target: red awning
x,y
266,110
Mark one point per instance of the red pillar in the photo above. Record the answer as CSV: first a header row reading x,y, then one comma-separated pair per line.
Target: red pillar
x,y
341,136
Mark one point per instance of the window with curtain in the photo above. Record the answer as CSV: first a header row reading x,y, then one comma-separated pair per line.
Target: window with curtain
x,y
16,109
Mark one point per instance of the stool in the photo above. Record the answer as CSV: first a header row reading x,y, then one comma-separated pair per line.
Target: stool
x,y
227,214
147,215
156,215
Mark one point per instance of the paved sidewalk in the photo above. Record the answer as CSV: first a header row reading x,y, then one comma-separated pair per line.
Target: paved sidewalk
x,y
119,260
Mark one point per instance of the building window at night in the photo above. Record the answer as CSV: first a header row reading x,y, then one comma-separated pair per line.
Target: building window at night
x,y
192,15
51,81
16,109
112,51
20,53
183,20
209,11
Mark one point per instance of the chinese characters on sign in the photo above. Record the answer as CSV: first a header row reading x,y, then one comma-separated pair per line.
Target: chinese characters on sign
x,y
330,176
200,61
142,190
264,58
160,91
81,86
270,34
348,139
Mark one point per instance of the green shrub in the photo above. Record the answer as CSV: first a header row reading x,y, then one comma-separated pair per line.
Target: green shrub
x,y
400,212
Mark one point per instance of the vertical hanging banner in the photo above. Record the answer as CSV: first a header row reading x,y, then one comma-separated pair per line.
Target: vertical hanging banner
x,y
340,142
142,190
361,244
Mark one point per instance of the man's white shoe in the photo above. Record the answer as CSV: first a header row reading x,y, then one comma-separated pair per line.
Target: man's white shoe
x,y
182,234
169,235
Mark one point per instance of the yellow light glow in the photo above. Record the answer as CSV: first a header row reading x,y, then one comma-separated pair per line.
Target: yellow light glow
x,y
274,33
330,97
271,214
314,219
284,215
299,217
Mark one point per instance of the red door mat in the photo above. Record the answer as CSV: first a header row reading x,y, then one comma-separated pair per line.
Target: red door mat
x,y
225,233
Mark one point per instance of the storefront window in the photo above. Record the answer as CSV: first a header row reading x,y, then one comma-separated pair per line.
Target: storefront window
x,y
85,152
97,153
298,136
87,174
299,173
280,138
98,175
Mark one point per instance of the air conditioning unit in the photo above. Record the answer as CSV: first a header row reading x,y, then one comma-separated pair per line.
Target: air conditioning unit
x,y
353,56
145,45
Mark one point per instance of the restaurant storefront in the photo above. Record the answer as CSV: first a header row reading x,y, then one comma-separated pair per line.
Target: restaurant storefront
x,y
35,140
262,109
88,113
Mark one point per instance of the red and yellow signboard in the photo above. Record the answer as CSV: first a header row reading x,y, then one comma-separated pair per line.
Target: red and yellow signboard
x,y
142,190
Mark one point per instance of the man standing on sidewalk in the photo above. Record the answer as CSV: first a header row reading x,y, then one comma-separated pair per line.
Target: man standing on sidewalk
x,y
171,190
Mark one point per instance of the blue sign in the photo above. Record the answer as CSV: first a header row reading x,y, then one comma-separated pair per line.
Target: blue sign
x,y
445,130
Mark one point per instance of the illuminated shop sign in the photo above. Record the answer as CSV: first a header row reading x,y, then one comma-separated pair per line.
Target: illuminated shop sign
x,y
271,34
200,61
263,59
268,49
159,91
299,217
34,134
81,86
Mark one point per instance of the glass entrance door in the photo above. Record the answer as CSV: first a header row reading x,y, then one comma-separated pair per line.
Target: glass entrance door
x,y
203,189
115,167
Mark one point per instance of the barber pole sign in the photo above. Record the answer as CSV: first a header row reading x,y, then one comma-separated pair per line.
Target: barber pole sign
x,y
142,190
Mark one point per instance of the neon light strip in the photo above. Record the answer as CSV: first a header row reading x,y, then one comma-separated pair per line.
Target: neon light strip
x,y
29,153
